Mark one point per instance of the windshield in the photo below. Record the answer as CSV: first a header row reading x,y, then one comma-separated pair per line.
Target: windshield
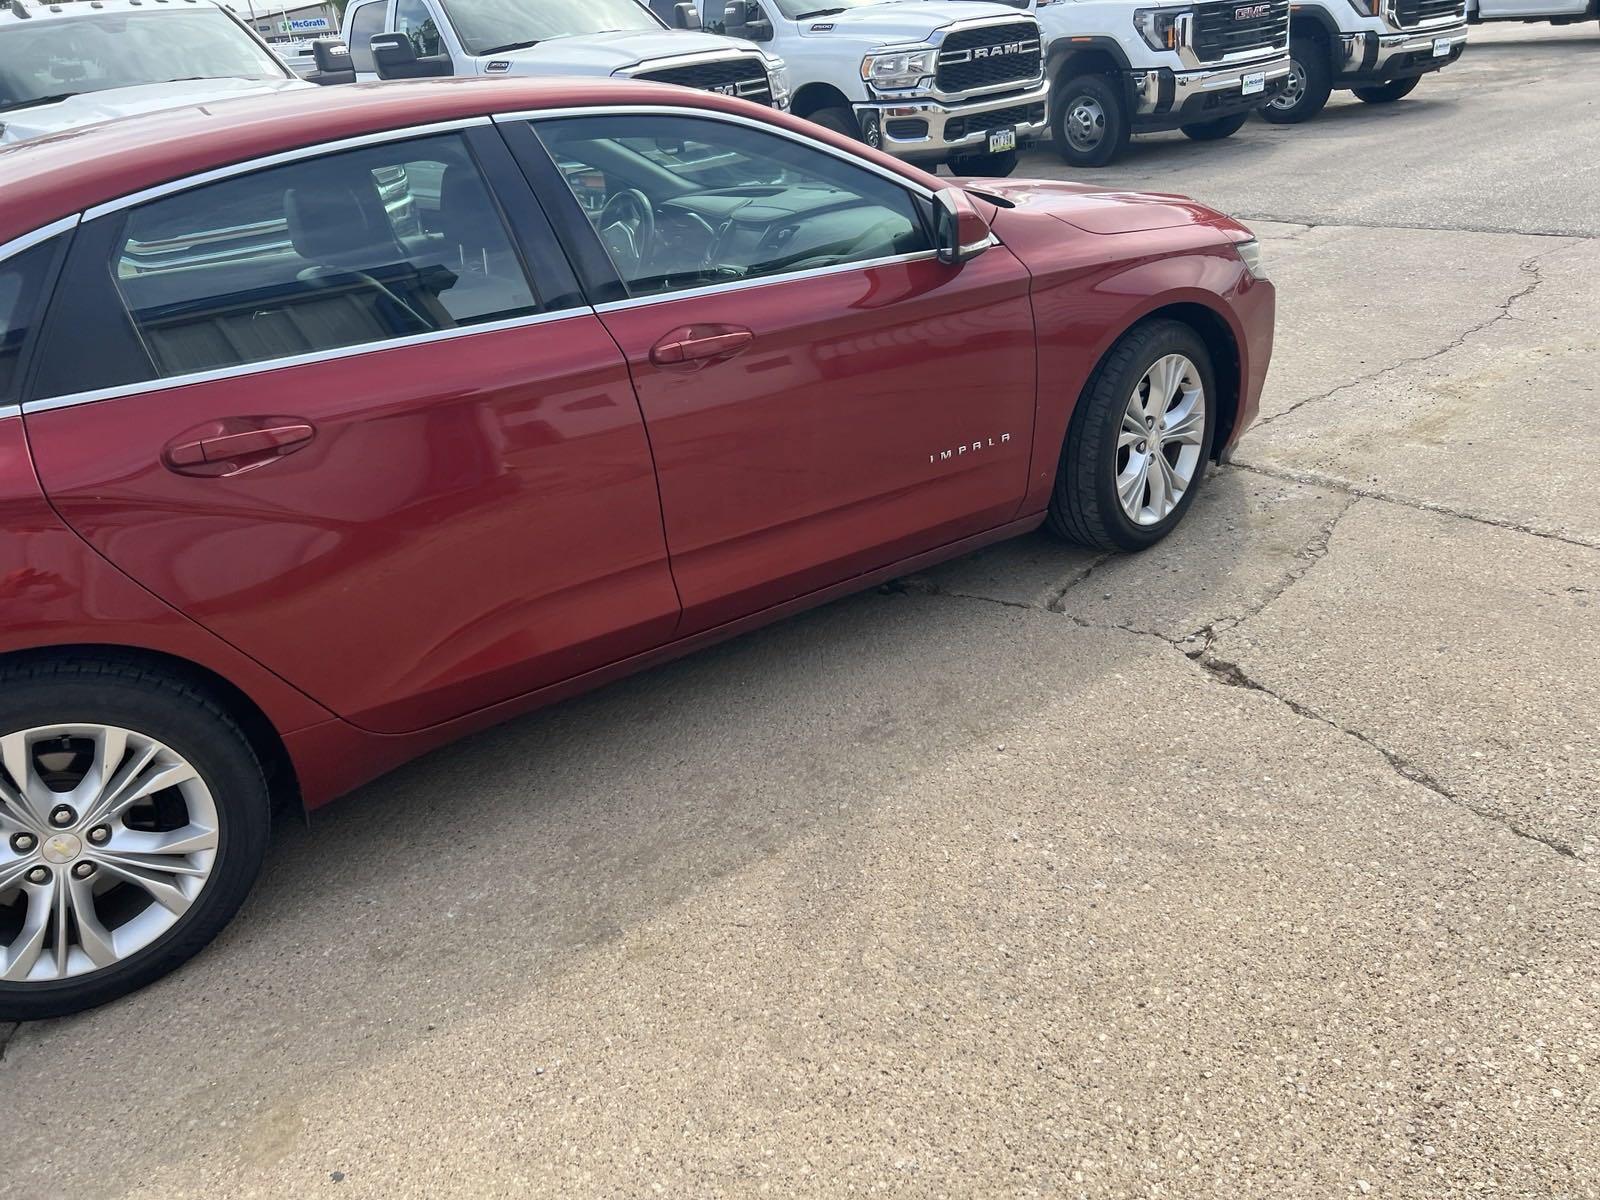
x,y
803,10
489,26
49,60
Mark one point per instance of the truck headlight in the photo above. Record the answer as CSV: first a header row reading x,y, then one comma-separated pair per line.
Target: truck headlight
x,y
778,73
1250,254
899,68
1159,26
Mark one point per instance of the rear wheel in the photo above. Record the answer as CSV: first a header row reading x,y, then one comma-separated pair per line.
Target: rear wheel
x,y
1305,92
133,821
1088,121
1387,93
985,166
1215,131
1139,442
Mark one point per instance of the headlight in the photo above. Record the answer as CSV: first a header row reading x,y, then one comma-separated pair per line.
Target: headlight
x,y
778,73
1250,254
899,68
1159,26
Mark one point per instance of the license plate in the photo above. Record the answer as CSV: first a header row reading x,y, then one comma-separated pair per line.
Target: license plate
x,y
1441,47
1002,140
1254,84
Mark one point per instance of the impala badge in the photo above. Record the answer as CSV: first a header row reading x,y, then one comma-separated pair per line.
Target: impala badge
x,y
975,447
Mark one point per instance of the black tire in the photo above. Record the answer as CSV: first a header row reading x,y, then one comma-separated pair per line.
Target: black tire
x,y
1387,93
1093,94
1310,57
129,695
985,166
839,119
1215,131
1084,507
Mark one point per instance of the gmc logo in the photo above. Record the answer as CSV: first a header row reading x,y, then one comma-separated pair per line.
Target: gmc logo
x,y
997,51
1251,11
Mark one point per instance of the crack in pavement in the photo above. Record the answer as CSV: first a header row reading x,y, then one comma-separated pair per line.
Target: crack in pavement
x,y
1529,266
1576,235
1317,479
8,1030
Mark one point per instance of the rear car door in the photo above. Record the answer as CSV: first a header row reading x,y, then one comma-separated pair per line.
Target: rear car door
x,y
349,413
823,396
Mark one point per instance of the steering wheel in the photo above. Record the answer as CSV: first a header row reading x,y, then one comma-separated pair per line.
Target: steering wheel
x,y
628,228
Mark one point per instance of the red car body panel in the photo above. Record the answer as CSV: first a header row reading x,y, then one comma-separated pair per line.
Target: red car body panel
x,y
485,524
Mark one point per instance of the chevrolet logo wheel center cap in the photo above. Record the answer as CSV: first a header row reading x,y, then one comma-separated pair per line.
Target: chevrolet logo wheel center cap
x,y
61,848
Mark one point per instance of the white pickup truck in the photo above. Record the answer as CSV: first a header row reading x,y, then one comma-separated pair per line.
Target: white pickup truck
x,y
71,63
931,81
1557,12
411,39
1120,67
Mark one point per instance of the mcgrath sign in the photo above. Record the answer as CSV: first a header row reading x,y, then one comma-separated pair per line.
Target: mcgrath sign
x,y
308,25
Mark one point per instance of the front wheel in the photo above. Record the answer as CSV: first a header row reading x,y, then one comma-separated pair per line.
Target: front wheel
x,y
839,119
1215,131
985,166
1387,93
1088,121
1305,92
1139,441
133,822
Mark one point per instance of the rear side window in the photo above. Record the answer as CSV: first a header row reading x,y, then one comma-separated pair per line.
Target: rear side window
x,y
365,246
22,283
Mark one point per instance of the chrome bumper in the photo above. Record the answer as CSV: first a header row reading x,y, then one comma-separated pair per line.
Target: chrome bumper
x,y
1390,46
1186,85
878,119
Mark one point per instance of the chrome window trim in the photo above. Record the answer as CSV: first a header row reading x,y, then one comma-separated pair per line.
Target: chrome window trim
x,y
708,114
744,285
318,150
43,234
9,410
162,383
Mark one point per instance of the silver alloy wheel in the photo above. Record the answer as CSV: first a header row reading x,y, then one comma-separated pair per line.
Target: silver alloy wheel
x,y
1294,87
1086,123
107,837
1158,446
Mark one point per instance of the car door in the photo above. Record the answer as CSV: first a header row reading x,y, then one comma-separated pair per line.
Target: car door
x,y
822,395
358,429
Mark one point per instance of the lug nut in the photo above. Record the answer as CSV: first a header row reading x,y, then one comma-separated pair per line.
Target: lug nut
x,y
83,870
23,843
62,817
39,875
100,835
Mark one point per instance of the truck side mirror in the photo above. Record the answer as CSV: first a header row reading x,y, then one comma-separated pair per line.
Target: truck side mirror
x,y
686,16
396,58
745,19
333,65
960,231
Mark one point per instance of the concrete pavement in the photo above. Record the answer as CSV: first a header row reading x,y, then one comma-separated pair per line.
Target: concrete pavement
x,y
1260,865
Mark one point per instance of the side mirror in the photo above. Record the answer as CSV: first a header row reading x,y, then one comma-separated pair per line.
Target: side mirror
x,y
396,58
744,19
333,65
685,16
960,231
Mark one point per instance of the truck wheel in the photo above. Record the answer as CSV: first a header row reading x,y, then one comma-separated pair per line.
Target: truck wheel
x,y
1387,93
839,119
133,822
1305,93
1139,442
985,166
1089,121
1215,131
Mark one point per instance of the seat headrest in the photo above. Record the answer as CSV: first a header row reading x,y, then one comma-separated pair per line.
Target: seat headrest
x,y
467,215
336,218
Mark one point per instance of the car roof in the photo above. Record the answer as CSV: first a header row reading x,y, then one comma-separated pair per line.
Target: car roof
x,y
15,12
49,178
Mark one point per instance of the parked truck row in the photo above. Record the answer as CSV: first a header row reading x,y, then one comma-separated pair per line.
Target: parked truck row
x,y
958,83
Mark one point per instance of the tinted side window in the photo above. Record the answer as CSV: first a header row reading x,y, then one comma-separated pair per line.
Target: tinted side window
x,y
416,20
367,21
22,281
682,202
368,245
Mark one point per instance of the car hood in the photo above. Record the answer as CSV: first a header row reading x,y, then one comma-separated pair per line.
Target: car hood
x,y
1103,210
608,53
91,107
902,20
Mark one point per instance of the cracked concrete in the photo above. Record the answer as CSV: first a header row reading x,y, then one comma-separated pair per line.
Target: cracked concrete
x,y
1258,865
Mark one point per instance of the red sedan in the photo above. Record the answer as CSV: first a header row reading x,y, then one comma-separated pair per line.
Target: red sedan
x,y
336,425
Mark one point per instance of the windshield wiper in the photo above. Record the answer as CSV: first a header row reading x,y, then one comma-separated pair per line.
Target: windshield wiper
x,y
820,12
55,99
510,46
